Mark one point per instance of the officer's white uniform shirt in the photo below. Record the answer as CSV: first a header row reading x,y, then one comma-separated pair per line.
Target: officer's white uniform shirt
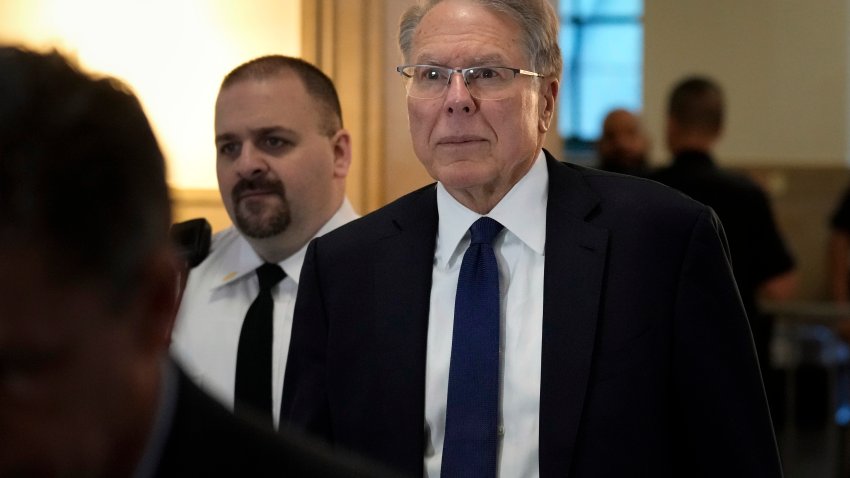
x,y
217,296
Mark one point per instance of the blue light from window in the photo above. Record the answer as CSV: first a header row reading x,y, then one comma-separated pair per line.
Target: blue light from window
x,y
602,45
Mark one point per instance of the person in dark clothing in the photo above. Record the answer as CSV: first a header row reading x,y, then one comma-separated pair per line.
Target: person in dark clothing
x,y
624,144
762,264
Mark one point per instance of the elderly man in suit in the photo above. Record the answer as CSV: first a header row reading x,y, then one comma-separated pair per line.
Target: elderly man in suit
x,y
522,316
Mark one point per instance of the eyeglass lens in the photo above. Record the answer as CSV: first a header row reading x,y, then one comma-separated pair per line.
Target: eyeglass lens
x,y
428,82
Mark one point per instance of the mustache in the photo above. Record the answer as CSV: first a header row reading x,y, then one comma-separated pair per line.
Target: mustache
x,y
265,185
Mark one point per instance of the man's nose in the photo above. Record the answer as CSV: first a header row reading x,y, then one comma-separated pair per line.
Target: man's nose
x,y
458,96
251,163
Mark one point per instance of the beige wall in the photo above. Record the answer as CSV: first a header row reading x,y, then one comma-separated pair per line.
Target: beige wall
x,y
783,64
344,39
172,54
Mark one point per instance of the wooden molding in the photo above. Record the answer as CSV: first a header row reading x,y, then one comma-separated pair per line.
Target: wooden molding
x,y
192,203
341,38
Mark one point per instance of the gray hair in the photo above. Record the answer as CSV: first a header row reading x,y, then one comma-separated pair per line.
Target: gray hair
x,y
536,18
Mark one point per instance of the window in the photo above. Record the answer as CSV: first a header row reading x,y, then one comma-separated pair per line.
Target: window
x,y
602,44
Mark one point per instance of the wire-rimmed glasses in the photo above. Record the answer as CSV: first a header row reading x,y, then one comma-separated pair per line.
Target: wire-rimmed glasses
x,y
427,82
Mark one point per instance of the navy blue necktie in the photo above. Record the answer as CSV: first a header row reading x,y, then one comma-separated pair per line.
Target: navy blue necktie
x,y
253,387
472,409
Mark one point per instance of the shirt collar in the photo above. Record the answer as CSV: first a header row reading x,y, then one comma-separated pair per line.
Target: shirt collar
x,y
235,262
292,264
241,260
522,211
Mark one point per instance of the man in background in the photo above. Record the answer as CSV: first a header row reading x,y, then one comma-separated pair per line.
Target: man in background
x,y
762,264
87,294
624,144
282,159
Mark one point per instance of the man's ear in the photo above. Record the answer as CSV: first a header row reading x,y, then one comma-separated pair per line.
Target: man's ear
x,y
550,97
341,142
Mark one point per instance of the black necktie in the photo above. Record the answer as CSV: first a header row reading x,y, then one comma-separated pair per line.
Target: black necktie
x,y
253,389
471,444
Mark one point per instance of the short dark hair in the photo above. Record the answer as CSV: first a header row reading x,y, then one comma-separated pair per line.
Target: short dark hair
x,y
81,174
316,82
696,103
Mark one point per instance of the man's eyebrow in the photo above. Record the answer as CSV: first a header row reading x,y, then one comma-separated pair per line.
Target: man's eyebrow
x,y
427,60
272,129
486,60
224,137
492,60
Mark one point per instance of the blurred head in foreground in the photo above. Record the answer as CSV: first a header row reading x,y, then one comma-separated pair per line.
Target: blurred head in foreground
x,y
86,270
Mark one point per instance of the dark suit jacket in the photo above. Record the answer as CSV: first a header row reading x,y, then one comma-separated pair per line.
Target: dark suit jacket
x,y
648,366
207,440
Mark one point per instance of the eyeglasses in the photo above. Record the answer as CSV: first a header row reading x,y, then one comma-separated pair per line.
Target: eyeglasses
x,y
427,82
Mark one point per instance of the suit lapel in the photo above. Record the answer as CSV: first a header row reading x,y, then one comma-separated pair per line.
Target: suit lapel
x,y
574,268
402,302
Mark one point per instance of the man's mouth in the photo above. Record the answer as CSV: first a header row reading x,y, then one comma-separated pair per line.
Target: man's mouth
x,y
256,193
460,140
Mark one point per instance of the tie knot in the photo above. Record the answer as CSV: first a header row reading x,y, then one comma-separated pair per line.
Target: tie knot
x,y
269,275
484,230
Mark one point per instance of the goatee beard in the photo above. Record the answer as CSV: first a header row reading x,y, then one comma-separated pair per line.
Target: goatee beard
x,y
257,219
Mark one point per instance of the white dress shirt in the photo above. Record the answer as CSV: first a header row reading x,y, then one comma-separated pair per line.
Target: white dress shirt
x,y
217,296
519,252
